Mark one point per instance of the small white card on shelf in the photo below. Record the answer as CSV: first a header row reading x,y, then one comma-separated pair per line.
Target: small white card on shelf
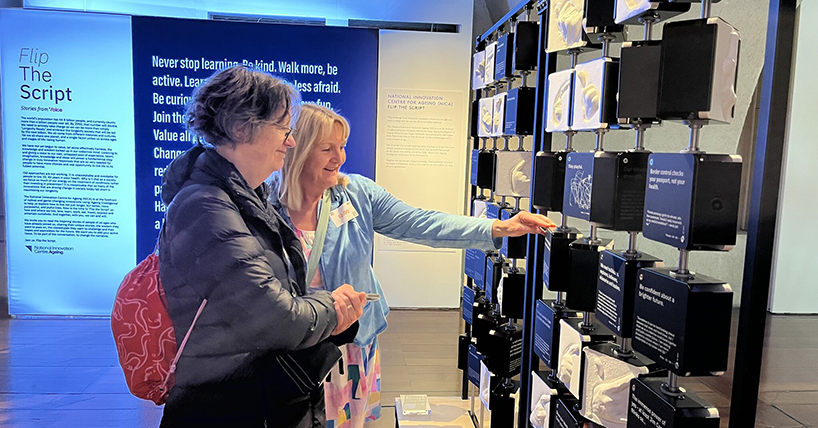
x,y
415,405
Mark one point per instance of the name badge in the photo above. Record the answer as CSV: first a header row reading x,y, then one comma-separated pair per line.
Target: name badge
x,y
343,214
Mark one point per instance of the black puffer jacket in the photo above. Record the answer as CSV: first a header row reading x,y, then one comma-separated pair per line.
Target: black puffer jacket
x,y
223,241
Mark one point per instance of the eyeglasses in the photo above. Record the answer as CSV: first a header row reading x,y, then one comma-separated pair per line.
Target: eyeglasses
x,y
289,130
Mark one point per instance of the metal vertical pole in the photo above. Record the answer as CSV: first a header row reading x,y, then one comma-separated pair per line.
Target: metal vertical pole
x,y
706,8
464,381
546,64
476,144
772,125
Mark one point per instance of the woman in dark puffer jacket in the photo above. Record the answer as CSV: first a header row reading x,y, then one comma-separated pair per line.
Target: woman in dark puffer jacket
x,y
261,347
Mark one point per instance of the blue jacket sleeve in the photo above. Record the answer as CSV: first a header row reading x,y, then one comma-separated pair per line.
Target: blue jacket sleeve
x,y
399,220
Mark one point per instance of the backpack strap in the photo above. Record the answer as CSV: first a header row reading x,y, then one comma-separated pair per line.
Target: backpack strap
x,y
178,355
182,348
161,231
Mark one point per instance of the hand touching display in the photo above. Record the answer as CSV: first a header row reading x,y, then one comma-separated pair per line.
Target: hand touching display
x,y
522,223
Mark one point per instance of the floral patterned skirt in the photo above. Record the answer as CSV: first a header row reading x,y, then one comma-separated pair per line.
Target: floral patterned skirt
x,y
353,393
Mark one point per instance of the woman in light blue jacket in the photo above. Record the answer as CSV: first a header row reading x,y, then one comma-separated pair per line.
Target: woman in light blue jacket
x,y
359,208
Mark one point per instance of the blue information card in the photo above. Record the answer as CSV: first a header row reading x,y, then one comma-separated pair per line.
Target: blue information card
x,y
493,211
610,291
474,365
468,305
504,215
579,170
489,285
512,98
500,57
475,155
476,266
662,313
546,263
668,198
544,332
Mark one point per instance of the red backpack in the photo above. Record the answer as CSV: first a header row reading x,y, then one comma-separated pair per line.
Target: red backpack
x,y
143,332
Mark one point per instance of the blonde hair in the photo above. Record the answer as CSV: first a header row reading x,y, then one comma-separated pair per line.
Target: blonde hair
x,y
315,124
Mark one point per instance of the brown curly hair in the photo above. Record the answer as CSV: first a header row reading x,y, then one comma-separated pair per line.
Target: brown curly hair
x,y
228,107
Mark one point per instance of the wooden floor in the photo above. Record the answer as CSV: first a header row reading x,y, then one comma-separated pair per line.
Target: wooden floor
x,y
64,373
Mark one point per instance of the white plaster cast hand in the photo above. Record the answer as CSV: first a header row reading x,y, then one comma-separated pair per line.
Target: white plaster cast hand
x,y
485,119
728,89
607,402
482,211
539,412
498,108
590,96
569,22
520,180
608,396
559,116
567,360
633,4
599,366
480,70
500,293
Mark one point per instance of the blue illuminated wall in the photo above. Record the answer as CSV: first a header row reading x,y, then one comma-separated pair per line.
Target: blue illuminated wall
x,y
82,169
334,66
68,164
408,60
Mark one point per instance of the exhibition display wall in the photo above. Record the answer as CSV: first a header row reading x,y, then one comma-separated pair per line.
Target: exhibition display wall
x,y
624,324
92,115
